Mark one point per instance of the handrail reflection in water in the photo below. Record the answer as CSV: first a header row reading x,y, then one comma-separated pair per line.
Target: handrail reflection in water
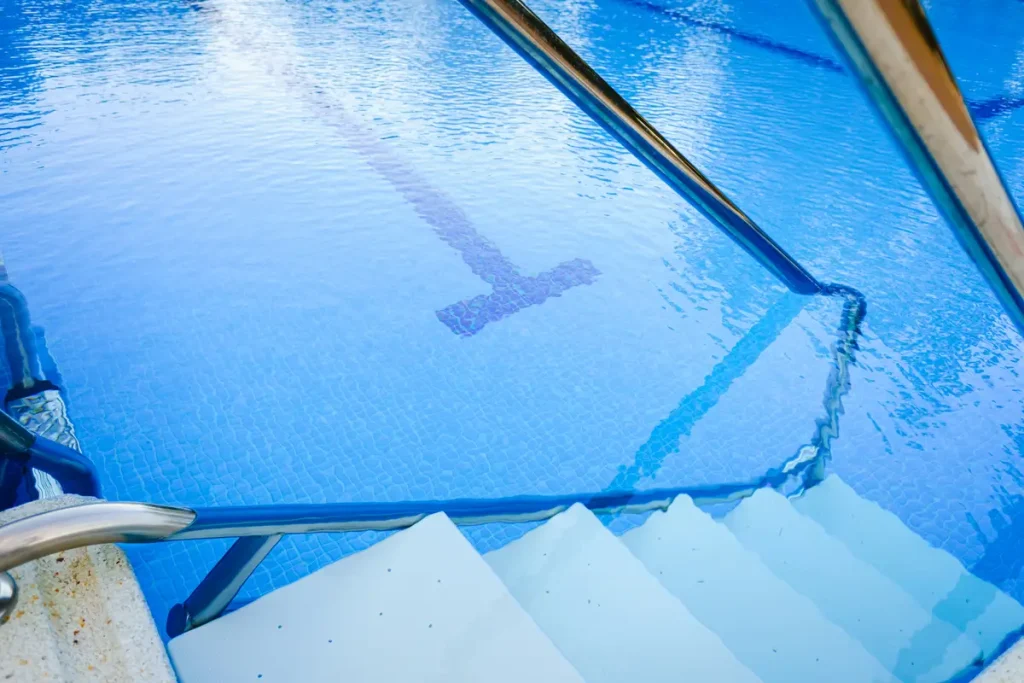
x,y
541,47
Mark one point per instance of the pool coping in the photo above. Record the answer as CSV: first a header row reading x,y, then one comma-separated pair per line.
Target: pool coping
x,y
1008,668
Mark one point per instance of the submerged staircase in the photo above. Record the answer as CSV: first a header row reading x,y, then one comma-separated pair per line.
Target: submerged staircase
x,y
826,586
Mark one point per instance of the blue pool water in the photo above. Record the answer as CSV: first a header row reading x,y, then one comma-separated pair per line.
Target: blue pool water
x,y
310,251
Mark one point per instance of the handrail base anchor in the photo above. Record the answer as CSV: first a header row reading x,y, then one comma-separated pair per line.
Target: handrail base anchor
x,y
8,596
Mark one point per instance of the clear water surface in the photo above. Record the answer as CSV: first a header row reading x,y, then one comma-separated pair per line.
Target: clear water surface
x,y
252,228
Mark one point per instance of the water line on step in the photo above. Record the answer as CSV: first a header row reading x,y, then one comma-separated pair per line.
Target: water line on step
x,y
807,466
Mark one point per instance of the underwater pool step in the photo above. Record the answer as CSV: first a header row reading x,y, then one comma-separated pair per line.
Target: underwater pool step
x,y
907,639
610,617
817,588
421,605
772,629
932,576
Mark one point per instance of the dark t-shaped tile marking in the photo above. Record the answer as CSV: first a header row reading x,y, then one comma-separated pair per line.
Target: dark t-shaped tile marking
x,y
512,291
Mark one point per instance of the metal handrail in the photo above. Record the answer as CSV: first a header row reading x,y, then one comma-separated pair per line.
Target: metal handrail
x,y
890,44
43,534
259,527
528,35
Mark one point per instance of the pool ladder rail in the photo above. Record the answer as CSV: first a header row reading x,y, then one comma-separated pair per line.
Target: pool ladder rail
x,y
258,528
729,599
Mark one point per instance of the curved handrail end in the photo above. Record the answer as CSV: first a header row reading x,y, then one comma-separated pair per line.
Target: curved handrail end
x,y
45,533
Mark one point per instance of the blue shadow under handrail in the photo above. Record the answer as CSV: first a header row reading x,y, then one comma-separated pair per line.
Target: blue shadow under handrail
x,y
20,449
21,351
74,471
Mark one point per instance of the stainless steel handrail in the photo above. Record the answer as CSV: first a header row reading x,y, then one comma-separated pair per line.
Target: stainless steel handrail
x,y
259,527
528,35
46,533
890,44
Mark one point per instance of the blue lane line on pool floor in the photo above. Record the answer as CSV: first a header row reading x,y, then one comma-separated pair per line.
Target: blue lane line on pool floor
x,y
981,111
760,41
511,291
996,106
664,439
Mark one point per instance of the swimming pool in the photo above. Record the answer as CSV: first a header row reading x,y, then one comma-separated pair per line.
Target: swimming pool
x,y
248,229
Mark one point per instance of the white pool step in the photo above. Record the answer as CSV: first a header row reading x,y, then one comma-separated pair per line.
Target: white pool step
x,y
421,605
932,576
611,618
826,587
889,623
774,630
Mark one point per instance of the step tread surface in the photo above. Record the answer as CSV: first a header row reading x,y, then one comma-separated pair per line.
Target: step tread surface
x,y
888,622
421,605
775,631
610,617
